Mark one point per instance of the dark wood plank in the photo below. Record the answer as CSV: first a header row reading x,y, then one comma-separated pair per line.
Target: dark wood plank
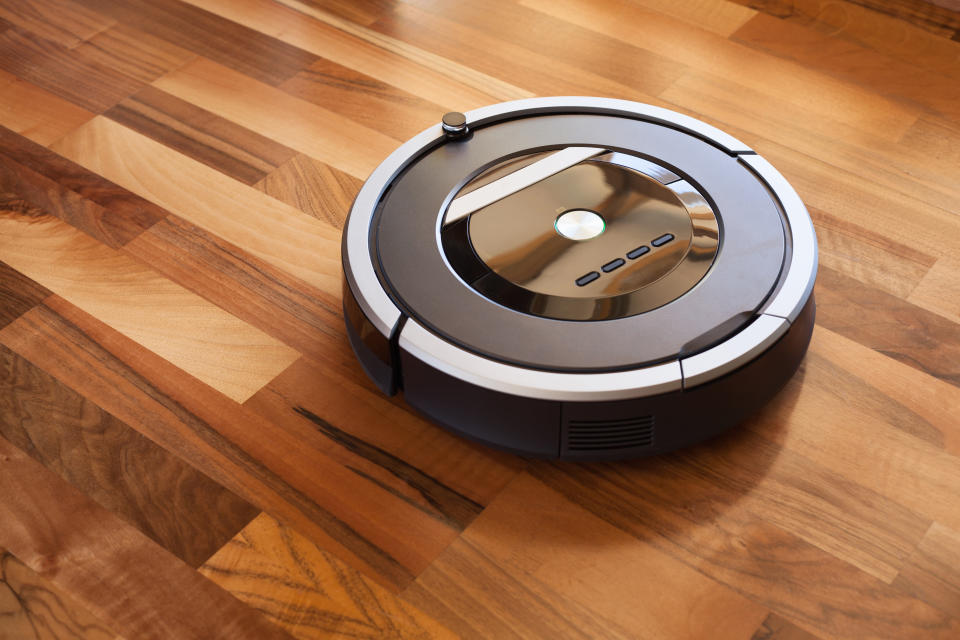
x,y
416,460
370,102
245,50
61,21
888,324
201,135
33,608
177,507
121,576
135,53
18,293
287,474
281,305
100,208
64,72
314,187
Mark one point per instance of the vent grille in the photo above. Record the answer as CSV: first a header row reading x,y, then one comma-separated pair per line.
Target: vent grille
x,y
601,435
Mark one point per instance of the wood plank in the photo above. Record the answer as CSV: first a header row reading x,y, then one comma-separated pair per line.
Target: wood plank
x,y
64,72
939,291
88,552
61,21
37,114
18,293
871,28
933,571
486,83
882,74
869,256
711,534
288,475
912,335
233,45
719,16
313,187
362,12
757,117
229,148
216,347
540,40
33,607
84,199
929,16
301,125
814,92
174,505
354,52
936,401
776,628
309,592
516,572
267,228
280,305
368,101
544,72
135,53
419,463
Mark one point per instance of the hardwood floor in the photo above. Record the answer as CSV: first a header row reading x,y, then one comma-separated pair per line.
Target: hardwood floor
x,y
188,448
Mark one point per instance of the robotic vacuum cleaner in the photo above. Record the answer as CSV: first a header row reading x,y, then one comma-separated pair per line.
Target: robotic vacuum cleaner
x,y
579,278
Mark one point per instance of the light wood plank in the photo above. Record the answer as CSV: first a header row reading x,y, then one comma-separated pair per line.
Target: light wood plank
x,y
216,347
301,125
32,607
38,114
933,572
269,229
939,291
308,591
719,16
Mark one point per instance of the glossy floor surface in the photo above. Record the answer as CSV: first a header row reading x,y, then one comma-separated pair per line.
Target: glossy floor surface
x,y
188,448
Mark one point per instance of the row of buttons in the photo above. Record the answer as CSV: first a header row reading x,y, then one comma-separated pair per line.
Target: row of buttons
x,y
619,262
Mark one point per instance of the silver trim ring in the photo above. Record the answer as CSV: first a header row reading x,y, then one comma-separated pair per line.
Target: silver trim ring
x,y
714,362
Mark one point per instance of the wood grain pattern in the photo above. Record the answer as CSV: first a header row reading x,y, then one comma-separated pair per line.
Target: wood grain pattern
x,y
309,592
210,344
85,550
286,471
297,123
238,47
270,230
516,557
355,52
31,608
18,294
174,178
134,53
37,114
313,187
64,72
61,21
59,187
201,135
114,465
